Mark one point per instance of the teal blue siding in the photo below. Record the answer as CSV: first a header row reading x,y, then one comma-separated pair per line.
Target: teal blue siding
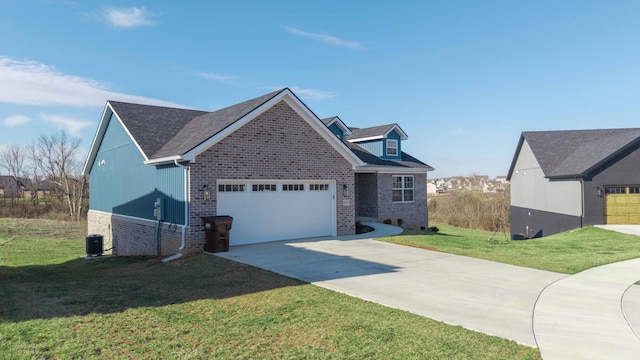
x,y
392,135
337,131
375,146
121,183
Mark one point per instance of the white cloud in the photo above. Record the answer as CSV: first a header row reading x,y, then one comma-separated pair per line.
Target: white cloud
x,y
27,82
216,77
327,39
73,126
127,18
16,120
310,94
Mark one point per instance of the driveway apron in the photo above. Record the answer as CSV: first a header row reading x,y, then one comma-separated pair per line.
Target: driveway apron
x,y
591,315
493,298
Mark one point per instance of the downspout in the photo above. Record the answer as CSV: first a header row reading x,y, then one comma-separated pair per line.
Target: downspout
x,y
186,213
582,201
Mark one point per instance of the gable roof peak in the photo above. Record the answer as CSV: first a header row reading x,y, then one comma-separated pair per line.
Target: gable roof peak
x,y
376,132
165,134
575,153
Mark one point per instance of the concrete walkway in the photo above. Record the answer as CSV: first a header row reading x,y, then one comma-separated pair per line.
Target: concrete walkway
x,y
591,315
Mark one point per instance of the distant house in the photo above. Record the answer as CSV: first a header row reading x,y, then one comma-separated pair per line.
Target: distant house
x,y
269,162
561,180
40,190
13,187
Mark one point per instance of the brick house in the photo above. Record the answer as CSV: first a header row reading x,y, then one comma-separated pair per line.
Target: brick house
x,y
270,163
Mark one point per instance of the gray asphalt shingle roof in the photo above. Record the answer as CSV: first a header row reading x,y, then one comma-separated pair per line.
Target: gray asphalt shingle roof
x,y
357,133
163,132
406,161
575,153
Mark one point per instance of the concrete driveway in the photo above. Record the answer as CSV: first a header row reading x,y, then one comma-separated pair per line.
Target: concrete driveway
x,y
594,314
493,298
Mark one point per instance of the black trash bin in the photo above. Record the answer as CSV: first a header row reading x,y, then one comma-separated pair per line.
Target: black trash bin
x,y
94,245
218,229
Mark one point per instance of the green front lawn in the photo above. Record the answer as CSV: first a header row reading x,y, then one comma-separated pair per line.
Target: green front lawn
x,y
569,252
55,305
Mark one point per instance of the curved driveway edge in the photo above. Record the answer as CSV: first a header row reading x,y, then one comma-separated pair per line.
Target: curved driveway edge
x,y
581,316
489,297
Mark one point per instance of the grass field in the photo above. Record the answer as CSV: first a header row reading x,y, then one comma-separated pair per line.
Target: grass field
x,y
54,305
568,252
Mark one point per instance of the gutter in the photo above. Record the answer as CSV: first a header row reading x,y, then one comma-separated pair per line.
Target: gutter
x,y
186,213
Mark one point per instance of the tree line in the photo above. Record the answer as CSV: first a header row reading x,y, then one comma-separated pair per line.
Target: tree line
x,y
52,158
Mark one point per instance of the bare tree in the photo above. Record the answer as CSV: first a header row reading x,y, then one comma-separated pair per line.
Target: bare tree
x,y
12,161
59,165
34,171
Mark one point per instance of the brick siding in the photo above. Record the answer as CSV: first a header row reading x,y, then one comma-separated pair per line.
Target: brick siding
x,y
277,145
375,193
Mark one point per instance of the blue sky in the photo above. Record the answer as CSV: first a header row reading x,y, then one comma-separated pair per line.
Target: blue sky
x,y
462,78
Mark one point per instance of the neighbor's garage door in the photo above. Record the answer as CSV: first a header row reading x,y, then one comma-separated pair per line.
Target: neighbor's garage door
x,y
277,210
622,204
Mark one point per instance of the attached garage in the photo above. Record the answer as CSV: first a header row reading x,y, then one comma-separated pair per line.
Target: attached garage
x,y
271,210
622,204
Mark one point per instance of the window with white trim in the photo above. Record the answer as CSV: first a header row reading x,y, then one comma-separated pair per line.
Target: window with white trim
x,y
402,188
392,147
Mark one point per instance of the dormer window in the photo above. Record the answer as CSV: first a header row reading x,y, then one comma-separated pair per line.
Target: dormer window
x,y
392,147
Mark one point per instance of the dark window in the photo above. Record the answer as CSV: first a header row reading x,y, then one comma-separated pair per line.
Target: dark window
x,y
318,187
264,187
634,189
615,190
292,187
231,188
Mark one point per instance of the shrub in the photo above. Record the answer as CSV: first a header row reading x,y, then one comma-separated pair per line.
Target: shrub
x,y
472,210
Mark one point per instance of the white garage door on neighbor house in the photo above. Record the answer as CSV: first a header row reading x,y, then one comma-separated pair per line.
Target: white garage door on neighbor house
x,y
271,210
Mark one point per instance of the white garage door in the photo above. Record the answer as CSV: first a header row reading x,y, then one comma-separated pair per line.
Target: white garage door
x,y
277,210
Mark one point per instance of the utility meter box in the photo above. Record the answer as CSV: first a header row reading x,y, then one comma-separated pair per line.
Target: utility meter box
x,y
158,209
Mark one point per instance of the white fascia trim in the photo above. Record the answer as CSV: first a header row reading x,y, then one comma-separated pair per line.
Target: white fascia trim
x,y
191,155
131,136
367,138
393,170
102,128
323,130
164,160
403,135
299,108
93,150
336,120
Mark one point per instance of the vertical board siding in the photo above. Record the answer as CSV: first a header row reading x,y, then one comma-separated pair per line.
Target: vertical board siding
x,y
337,131
374,147
122,184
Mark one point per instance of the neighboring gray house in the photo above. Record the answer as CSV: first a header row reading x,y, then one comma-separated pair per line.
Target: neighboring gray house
x,y
561,180
269,162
